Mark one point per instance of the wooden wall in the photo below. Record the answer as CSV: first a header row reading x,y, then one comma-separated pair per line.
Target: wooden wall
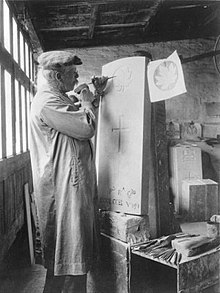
x,y
15,165
15,172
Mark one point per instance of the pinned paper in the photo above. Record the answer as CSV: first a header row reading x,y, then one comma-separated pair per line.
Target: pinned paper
x,y
165,78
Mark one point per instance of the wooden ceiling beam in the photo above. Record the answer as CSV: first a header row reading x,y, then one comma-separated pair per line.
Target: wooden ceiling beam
x,y
104,26
38,17
93,19
49,3
189,2
214,15
86,20
179,4
135,39
153,11
26,25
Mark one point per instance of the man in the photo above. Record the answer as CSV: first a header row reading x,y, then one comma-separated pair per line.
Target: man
x,y
64,173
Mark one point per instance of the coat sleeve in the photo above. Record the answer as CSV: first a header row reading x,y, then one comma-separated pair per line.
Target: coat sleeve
x,y
68,120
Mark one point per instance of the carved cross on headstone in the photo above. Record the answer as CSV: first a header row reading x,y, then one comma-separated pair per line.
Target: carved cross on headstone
x,y
120,128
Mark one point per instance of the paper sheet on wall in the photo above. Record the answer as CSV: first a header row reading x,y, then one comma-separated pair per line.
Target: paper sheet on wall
x,y
165,78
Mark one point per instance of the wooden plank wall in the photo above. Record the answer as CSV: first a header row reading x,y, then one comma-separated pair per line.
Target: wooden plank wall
x,y
165,218
15,166
15,172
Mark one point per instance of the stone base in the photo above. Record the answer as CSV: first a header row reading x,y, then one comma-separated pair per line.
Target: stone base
x,y
128,228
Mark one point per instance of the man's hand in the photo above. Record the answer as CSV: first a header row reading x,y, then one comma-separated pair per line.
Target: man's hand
x,y
85,94
79,88
99,84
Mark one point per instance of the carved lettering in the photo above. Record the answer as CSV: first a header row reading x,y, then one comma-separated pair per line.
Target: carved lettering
x,y
117,202
132,205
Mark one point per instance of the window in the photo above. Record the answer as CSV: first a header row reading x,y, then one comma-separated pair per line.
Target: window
x,y
15,86
31,65
15,40
21,51
6,26
0,117
29,100
8,114
27,59
18,118
23,115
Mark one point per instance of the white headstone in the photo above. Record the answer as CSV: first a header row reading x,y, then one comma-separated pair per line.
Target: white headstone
x,y
185,163
123,149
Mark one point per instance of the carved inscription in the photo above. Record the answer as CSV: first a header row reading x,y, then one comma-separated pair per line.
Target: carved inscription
x,y
121,197
189,155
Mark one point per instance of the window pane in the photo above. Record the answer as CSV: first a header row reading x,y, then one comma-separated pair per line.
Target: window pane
x,y
8,114
17,121
23,111
15,40
6,26
33,69
31,75
29,99
21,51
27,59
0,118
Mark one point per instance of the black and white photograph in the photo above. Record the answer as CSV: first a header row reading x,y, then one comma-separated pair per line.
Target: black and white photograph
x,y
109,146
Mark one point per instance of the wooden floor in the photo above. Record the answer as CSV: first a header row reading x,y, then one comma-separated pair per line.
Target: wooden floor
x,y
16,273
25,280
17,276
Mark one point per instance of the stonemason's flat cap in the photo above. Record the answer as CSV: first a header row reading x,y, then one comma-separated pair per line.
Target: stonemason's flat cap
x,y
58,59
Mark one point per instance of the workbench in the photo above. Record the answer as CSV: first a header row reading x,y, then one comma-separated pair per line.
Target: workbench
x,y
199,273
194,274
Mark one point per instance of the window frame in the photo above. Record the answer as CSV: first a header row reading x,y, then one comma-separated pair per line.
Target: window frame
x,y
12,65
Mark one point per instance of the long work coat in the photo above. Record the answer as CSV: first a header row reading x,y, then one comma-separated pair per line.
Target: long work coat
x,y
64,179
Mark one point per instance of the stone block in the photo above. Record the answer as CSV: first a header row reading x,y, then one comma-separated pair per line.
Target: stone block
x,y
185,163
199,199
128,228
212,198
123,139
193,204
116,258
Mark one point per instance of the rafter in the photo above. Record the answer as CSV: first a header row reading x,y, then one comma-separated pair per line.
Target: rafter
x,y
104,26
84,23
93,19
52,3
153,11
211,17
26,24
